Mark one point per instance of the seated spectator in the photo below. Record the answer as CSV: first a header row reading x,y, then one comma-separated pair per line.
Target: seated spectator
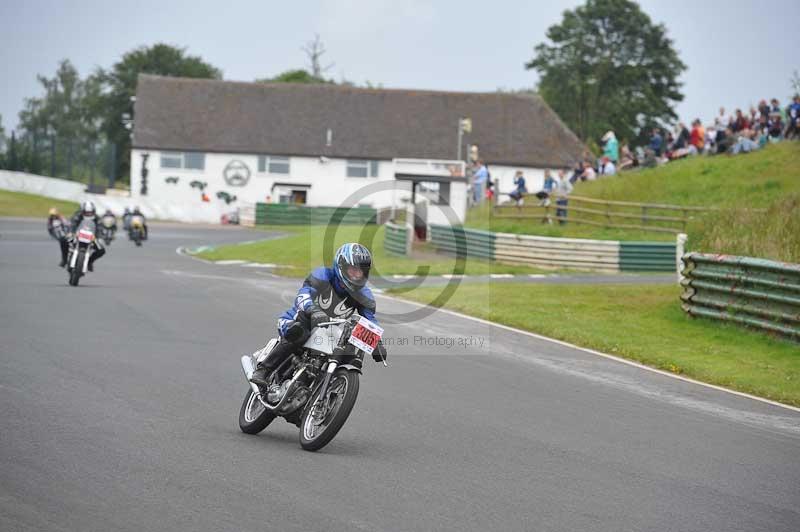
x,y
656,142
519,188
626,158
745,143
588,173
490,190
547,189
607,166
682,139
649,160
775,127
711,139
725,140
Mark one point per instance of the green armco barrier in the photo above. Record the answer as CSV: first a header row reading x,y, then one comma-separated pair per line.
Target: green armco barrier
x,y
292,214
759,293
457,240
647,256
395,239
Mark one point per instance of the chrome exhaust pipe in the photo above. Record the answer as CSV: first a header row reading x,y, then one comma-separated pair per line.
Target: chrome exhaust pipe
x,y
249,369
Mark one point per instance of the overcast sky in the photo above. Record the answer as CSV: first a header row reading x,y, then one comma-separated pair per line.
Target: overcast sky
x,y
737,51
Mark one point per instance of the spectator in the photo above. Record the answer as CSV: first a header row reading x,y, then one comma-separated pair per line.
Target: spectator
x,y
490,191
588,173
656,142
562,191
725,140
607,167
611,146
479,180
741,122
793,119
682,139
763,108
576,172
650,160
547,189
775,127
697,137
626,158
724,120
519,188
745,143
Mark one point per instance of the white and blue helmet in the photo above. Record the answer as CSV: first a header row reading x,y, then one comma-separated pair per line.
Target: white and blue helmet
x,y
351,264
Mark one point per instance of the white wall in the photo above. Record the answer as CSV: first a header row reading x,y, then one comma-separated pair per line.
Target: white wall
x,y
330,185
534,177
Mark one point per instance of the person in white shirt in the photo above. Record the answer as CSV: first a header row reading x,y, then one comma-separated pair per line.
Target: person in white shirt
x,y
588,172
607,167
562,190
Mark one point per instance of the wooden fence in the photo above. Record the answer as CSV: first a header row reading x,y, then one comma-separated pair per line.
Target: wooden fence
x,y
654,217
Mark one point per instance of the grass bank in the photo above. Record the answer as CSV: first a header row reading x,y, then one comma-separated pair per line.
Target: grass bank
x,y
766,179
302,249
31,205
642,323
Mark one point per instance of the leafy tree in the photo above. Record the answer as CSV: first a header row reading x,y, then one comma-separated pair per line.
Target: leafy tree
x,y
115,87
294,76
607,66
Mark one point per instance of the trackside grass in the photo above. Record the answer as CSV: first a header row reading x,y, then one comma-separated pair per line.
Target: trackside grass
x,y
643,323
31,205
302,249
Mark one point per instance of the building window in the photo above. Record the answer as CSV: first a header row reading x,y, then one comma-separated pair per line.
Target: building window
x,y
273,164
188,160
437,193
362,168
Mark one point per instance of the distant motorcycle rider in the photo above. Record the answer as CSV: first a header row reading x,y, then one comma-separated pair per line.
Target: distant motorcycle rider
x,y
59,232
334,292
88,211
126,219
108,215
137,212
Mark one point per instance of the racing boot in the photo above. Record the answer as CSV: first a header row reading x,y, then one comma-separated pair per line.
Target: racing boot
x,y
96,255
274,359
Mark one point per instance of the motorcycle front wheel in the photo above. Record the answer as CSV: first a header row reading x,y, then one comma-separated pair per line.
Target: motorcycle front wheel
x,y
319,423
253,417
75,273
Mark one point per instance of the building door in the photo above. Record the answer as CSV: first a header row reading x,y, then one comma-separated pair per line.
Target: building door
x,y
299,197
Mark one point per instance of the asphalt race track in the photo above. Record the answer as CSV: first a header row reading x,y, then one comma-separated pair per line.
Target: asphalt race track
x,y
119,403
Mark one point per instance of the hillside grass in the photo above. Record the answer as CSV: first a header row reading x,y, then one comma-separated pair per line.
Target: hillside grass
x,y
301,250
766,179
644,323
32,206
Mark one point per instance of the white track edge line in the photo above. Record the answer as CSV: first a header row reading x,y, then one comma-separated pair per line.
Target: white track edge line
x,y
601,354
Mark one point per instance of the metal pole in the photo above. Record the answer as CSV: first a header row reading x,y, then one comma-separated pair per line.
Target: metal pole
x,y
52,155
460,135
112,174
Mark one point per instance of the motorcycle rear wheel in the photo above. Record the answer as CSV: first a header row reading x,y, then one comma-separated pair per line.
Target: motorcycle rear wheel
x,y
253,417
318,428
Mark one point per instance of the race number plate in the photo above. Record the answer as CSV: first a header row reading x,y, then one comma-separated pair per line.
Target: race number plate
x,y
85,236
366,335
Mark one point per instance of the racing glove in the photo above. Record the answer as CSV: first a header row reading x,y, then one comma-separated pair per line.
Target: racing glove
x,y
317,316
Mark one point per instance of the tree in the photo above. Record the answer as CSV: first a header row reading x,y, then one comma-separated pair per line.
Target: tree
x,y
608,67
314,50
115,87
294,76
2,135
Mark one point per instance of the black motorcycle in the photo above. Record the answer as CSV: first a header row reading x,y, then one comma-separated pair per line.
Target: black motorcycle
x,y
136,230
315,389
80,251
108,226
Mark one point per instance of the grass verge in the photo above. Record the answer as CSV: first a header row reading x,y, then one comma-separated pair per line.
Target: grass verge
x,y
643,323
302,250
31,205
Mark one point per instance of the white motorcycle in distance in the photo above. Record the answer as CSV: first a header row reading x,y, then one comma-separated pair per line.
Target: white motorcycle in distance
x,y
107,228
80,251
316,388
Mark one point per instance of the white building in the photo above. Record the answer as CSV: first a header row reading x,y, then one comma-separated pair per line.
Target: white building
x,y
209,144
